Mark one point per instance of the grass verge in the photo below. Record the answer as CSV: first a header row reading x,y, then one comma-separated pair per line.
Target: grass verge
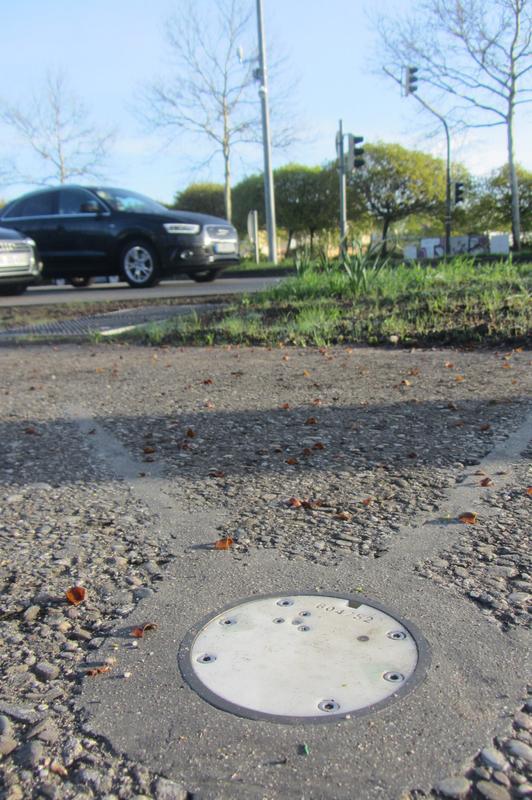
x,y
459,302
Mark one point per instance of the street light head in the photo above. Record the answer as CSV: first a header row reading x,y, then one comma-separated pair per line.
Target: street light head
x,y
240,54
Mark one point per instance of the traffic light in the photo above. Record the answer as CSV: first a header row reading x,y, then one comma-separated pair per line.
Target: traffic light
x,y
355,155
411,80
458,192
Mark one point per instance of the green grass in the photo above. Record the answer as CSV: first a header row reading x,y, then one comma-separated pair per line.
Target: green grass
x,y
456,302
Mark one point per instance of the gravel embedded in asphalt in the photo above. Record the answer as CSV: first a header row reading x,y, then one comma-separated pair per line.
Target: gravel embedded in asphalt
x,y
368,440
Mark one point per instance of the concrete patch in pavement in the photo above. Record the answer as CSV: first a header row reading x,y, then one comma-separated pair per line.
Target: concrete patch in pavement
x,y
474,683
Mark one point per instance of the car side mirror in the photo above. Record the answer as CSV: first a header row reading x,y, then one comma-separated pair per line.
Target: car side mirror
x,y
90,207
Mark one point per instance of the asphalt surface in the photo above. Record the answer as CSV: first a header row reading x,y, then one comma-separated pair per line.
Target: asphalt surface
x,y
123,465
50,295
477,672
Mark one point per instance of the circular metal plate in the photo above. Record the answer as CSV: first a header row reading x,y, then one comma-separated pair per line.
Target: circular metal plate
x,y
300,658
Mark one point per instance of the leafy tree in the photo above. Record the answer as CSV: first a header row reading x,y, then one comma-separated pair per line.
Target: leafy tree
x,y
476,53
491,207
396,183
248,194
54,127
306,199
205,198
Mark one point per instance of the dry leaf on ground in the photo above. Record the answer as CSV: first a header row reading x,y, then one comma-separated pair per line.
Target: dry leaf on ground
x,y
468,518
76,595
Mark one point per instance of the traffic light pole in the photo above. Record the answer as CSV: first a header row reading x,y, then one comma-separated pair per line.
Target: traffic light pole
x,y
412,90
448,197
343,190
266,141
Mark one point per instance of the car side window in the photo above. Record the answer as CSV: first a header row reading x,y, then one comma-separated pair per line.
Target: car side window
x,y
72,200
37,205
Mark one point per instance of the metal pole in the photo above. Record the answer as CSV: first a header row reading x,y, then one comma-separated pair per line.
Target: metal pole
x,y
256,235
266,140
448,200
343,203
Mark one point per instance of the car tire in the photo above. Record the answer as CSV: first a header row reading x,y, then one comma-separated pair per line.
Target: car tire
x,y
18,288
80,282
139,264
204,277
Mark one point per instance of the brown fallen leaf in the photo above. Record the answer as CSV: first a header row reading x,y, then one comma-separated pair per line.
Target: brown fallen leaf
x,y
311,421
292,461
223,544
295,502
311,503
414,371
191,433
468,518
459,378
216,473
529,491
31,431
139,632
148,449
367,501
76,595
506,365
452,406
94,671
343,515
285,358
485,427
307,451
316,401
318,446
208,381
285,406
486,482
449,365
306,373
406,382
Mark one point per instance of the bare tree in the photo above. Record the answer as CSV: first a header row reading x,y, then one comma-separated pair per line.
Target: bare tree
x,y
475,53
54,127
211,93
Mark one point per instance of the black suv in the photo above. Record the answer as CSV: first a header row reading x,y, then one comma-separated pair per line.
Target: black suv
x,y
86,231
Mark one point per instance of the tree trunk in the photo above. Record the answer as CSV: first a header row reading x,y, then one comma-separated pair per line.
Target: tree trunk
x,y
227,186
289,242
514,186
385,226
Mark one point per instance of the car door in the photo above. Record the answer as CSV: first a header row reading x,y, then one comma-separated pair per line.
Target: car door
x,y
82,233
35,216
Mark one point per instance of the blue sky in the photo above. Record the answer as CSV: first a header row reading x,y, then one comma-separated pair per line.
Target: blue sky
x,y
109,49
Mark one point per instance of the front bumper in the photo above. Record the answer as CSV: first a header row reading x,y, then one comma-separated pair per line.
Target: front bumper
x,y
198,253
19,263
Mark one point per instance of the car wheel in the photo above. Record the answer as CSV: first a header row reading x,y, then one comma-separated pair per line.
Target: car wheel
x,y
204,277
80,282
139,265
18,288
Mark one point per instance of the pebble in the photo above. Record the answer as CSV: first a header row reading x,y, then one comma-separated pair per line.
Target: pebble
x,y
519,598
493,758
20,713
525,790
522,720
7,744
453,787
29,755
46,731
519,750
492,791
31,613
46,671
168,790
6,727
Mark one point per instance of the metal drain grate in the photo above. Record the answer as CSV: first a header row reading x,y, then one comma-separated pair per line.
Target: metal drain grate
x,y
303,657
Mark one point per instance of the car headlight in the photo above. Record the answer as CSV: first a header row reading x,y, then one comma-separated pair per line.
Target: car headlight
x,y
30,242
181,227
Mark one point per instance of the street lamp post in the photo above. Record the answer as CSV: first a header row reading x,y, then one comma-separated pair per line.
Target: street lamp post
x,y
269,193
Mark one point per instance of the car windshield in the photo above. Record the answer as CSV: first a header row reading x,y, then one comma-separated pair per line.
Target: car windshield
x,y
122,200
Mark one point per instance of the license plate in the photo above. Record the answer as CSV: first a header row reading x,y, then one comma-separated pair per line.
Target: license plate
x,y
14,260
225,247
